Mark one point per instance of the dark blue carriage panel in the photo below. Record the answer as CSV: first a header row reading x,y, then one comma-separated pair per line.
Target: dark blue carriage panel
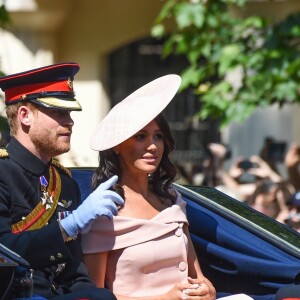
x,y
84,179
236,260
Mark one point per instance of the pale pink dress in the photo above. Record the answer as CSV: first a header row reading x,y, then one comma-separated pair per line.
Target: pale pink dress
x,y
146,256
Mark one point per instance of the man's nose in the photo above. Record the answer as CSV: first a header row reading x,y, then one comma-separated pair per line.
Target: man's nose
x,y
68,120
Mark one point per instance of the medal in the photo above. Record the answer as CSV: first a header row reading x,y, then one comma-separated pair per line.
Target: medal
x,y
47,200
65,203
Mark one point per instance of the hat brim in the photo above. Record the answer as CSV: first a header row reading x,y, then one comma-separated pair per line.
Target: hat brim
x,y
63,104
134,112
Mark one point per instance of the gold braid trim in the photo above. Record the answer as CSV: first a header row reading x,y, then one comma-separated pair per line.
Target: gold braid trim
x,y
3,153
57,164
40,216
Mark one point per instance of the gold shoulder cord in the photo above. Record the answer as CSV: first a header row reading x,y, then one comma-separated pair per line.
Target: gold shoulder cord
x,y
60,166
3,153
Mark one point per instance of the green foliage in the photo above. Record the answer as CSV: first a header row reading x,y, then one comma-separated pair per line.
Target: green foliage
x,y
3,124
215,44
4,16
4,20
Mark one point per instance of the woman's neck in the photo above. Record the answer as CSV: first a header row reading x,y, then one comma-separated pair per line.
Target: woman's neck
x,y
138,184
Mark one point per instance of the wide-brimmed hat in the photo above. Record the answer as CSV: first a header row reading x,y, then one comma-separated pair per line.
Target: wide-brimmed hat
x,y
50,86
135,112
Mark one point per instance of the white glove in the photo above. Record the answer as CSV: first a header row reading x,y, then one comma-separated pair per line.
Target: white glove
x,y
101,202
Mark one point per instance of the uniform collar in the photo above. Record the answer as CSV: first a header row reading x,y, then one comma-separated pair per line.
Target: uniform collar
x,y
23,157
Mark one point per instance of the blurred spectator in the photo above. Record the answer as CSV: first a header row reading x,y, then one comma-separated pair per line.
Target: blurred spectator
x,y
272,152
292,218
214,173
270,198
292,163
213,163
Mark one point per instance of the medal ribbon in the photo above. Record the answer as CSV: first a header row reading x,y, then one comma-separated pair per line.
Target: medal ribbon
x,y
40,215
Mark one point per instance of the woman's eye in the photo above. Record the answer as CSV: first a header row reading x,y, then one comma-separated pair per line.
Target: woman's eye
x,y
139,136
159,136
142,136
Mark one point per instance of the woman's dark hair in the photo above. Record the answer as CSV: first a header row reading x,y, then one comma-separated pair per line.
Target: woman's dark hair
x,y
161,179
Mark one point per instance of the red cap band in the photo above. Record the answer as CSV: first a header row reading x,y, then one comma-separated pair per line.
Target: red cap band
x,y
20,92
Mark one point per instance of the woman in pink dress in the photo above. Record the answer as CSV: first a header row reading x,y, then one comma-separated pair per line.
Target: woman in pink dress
x,y
146,251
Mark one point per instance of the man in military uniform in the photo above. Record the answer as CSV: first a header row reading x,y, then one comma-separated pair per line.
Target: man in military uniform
x,y
40,211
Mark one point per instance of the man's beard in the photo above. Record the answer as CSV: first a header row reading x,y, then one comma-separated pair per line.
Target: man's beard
x,y
48,143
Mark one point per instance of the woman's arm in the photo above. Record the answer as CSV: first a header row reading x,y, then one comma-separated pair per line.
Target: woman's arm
x,y
195,274
96,264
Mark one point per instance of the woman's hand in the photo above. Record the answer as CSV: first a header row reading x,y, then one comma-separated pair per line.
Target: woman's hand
x,y
205,289
193,289
292,157
178,291
263,170
235,171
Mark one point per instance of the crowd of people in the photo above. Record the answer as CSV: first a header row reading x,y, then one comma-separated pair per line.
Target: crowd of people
x,y
256,180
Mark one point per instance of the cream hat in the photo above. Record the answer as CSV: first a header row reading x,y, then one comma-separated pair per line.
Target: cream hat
x,y
135,112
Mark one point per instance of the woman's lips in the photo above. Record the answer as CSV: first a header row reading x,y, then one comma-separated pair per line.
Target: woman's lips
x,y
150,158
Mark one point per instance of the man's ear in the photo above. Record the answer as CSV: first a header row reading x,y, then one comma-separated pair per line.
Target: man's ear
x,y
25,115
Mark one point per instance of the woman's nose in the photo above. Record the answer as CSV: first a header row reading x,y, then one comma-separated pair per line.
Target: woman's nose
x,y
152,146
